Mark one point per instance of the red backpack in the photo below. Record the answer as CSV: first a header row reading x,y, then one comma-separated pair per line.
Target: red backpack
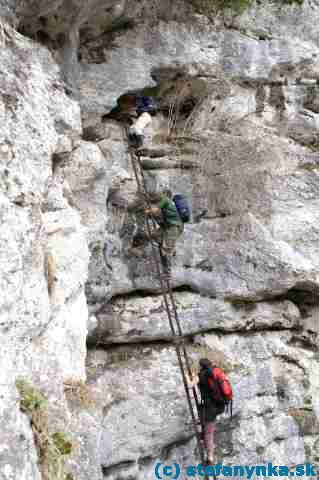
x,y
220,387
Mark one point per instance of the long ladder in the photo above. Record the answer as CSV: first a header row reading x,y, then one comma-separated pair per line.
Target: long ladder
x,y
171,310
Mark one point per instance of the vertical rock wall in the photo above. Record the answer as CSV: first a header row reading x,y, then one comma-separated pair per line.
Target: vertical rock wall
x,y
237,133
43,249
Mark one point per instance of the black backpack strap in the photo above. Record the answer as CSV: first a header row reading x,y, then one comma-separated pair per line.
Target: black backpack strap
x,y
229,408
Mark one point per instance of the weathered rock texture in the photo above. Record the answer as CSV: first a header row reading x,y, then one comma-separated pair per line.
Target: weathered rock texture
x,y
237,133
43,251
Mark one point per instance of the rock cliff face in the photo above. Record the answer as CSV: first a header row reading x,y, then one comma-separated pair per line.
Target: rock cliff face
x,y
238,133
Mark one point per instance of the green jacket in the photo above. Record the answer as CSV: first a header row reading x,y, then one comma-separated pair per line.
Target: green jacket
x,y
169,212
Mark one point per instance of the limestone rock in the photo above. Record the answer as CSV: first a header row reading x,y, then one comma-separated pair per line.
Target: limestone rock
x,y
267,21
29,81
140,319
94,173
237,134
269,379
194,45
43,253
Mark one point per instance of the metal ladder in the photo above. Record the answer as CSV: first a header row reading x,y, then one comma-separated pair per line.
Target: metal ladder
x,y
171,310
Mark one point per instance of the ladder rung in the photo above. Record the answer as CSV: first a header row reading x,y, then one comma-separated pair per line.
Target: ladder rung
x,y
177,339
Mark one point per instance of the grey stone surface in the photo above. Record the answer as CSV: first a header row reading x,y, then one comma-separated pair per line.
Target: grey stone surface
x,y
194,44
59,17
140,319
248,185
27,111
43,252
7,9
238,134
95,174
270,386
267,21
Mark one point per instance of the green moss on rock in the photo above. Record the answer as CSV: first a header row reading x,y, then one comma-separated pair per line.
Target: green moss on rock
x,y
52,449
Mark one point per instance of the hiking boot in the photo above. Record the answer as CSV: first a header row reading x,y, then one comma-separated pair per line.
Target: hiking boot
x,y
139,239
141,152
135,140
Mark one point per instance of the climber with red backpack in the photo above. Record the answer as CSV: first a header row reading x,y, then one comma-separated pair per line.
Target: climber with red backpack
x,y
216,396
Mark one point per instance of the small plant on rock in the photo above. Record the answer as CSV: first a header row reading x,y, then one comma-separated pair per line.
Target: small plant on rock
x,y
211,7
52,448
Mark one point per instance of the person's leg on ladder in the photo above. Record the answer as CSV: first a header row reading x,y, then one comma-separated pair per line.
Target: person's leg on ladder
x,y
166,251
157,236
171,235
135,139
209,442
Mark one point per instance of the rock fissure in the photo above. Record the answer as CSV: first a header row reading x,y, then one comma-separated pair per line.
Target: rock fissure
x,y
163,342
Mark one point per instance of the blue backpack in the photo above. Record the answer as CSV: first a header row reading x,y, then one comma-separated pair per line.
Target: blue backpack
x,y
146,104
182,207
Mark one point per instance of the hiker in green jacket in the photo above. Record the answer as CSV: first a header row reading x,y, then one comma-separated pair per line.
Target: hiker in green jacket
x,y
171,227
